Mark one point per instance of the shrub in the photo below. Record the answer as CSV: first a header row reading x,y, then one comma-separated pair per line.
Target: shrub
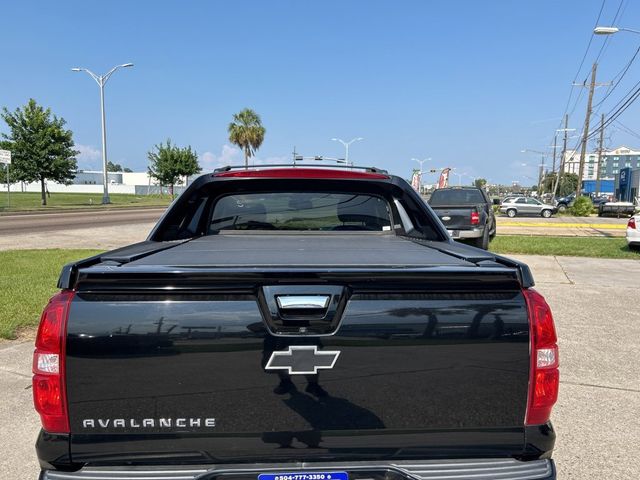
x,y
582,207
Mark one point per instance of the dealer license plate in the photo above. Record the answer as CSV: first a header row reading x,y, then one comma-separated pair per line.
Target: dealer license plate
x,y
454,233
304,476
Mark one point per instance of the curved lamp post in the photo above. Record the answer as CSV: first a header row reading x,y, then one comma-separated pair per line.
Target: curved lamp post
x,y
101,80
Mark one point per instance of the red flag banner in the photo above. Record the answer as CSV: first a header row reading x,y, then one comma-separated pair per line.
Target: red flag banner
x,y
443,182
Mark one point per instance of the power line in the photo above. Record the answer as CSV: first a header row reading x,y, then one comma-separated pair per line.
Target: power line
x,y
613,115
605,44
575,77
626,129
620,74
584,57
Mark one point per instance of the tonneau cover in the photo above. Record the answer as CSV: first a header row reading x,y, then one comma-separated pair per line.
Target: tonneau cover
x,y
269,250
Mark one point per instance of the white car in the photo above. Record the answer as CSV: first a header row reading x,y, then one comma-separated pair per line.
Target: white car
x,y
633,232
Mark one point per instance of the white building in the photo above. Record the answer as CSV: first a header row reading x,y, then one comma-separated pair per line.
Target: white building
x,y
89,181
611,162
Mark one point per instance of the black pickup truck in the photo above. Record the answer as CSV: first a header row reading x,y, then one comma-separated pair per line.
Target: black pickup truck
x,y
467,213
296,323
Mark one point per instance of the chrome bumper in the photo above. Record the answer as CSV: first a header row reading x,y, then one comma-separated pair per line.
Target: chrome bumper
x,y
478,469
458,234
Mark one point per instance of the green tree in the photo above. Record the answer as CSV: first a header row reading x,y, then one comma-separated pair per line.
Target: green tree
x,y
582,207
116,167
113,167
41,148
480,182
246,131
568,183
169,163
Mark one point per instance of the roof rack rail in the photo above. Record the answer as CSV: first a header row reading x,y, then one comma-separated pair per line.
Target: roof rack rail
x,y
296,165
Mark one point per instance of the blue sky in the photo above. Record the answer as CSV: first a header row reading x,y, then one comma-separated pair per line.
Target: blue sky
x,y
467,83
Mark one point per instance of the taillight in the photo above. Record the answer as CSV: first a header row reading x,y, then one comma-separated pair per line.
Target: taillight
x,y
49,392
632,223
544,377
475,218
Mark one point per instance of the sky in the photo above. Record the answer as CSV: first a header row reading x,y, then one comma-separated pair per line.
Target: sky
x,y
468,84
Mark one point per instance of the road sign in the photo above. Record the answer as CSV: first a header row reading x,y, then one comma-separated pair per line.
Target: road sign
x,y
5,157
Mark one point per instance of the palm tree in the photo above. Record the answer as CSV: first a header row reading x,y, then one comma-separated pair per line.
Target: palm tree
x,y
246,131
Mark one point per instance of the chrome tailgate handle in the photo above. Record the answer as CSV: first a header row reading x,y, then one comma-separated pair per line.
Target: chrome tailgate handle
x,y
302,301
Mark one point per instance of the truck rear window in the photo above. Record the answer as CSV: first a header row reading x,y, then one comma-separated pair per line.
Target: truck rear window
x,y
319,211
456,197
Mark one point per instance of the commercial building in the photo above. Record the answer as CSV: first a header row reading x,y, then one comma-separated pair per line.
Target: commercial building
x,y
611,163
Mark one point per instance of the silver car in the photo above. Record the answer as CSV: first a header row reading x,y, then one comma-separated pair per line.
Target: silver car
x,y
526,206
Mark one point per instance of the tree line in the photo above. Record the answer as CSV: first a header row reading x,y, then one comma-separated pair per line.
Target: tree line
x,y
42,149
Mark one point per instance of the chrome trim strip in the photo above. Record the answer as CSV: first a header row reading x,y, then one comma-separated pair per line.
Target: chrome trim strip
x,y
480,469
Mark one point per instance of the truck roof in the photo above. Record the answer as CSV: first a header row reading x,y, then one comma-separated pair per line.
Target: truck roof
x,y
302,171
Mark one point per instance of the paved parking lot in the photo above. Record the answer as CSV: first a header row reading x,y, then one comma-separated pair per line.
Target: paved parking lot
x,y
595,303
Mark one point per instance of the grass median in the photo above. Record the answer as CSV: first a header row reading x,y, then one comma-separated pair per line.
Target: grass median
x,y
30,201
27,281
596,247
29,276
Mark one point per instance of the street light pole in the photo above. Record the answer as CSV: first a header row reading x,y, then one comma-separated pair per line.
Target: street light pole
x,y
101,80
346,146
421,162
540,167
612,30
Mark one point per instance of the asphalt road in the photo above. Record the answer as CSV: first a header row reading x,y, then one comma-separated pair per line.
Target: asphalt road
x,y
110,229
104,230
51,222
598,321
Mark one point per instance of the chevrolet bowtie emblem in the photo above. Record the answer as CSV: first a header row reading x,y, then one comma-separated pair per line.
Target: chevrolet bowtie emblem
x,y
302,360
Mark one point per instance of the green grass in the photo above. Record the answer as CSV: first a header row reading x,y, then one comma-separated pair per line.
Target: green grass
x,y
563,246
27,281
31,201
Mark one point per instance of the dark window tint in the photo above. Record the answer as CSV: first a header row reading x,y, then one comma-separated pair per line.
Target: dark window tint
x,y
300,211
456,197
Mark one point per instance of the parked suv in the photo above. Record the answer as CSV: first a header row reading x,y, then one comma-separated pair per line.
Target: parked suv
x,y
527,206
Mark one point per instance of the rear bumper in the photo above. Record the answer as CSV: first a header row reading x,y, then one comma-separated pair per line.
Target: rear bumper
x,y
633,236
505,469
473,233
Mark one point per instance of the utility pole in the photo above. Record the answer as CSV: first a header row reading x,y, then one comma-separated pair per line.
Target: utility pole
x,y
540,176
555,142
585,133
563,155
600,154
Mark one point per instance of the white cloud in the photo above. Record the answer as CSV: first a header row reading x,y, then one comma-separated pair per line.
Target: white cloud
x,y
89,157
230,155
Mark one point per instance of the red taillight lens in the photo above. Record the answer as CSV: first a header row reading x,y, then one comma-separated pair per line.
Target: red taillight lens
x,y
475,218
544,377
632,223
49,395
